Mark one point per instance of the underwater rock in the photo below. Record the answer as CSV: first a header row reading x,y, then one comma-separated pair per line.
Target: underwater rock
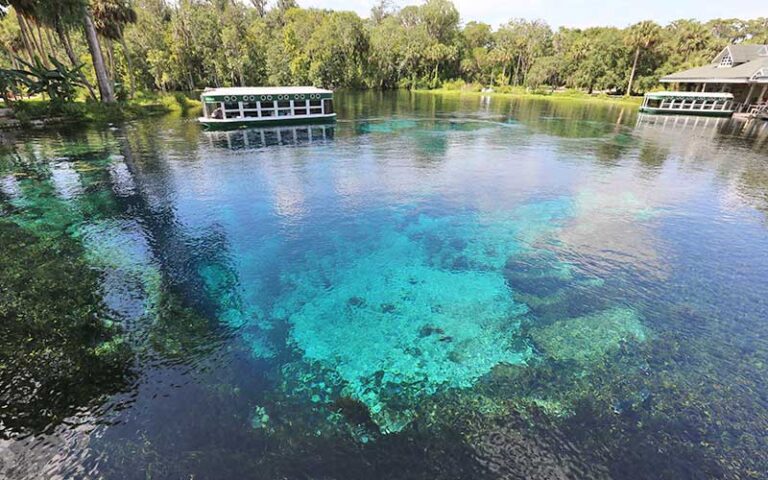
x,y
354,411
428,330
449,327
356,301
632,402
587,338
514,450
387,308
259,418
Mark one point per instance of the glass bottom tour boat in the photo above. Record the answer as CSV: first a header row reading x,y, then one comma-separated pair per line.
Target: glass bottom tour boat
x,y
266,106
708,104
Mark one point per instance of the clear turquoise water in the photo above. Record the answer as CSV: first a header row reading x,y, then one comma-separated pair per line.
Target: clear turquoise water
x,y
435,288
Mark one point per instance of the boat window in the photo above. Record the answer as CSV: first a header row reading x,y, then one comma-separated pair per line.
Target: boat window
x,y
232,106
232,113
251,113
654,103
328,105
300,110
250,105
284,108
315,107
267,109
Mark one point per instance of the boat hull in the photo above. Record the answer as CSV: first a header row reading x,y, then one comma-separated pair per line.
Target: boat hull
x,y
696,113
235,123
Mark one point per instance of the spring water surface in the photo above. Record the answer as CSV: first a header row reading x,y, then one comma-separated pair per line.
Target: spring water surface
x,y
434,288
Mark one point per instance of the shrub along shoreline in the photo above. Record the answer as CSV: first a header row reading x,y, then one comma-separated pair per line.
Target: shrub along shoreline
x,y
558,95
39,112
110,51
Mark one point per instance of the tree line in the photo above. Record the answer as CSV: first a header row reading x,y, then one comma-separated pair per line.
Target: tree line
x,y
118,47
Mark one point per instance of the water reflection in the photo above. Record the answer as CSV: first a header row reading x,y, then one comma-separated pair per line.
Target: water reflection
x,y
252,138
442,286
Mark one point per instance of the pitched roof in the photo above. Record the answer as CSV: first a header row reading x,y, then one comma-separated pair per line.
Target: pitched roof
x,y
748,61
745,53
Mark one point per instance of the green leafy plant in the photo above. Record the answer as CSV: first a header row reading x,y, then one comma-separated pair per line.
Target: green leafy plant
x,y
59,83
11,82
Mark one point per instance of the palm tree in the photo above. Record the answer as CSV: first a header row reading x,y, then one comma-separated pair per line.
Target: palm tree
x,y
26,10
94,47
110,17
641,36
62,16
61,12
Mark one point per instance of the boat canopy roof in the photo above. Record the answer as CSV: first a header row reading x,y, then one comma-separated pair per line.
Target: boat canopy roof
x,y
252,94
262,91
696,95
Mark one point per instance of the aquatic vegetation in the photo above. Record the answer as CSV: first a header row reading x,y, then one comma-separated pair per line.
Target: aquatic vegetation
x,y
259,418
587,338
389,126
59,348
67,202
120,250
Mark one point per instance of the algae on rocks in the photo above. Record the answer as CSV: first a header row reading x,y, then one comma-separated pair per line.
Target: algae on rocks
x,y
587,338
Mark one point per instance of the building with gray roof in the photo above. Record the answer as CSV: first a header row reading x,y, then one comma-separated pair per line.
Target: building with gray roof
x,y
738,69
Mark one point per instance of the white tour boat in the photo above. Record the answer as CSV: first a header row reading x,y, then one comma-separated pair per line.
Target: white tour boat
x,y
266,106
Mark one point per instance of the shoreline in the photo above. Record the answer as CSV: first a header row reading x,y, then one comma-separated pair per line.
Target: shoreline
x,y
555,96
37,113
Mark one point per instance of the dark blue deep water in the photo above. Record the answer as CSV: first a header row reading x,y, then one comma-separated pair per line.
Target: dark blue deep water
x,y
433,288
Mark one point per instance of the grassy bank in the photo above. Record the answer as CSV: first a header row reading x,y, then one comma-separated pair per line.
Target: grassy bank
x,y
567,95
38,111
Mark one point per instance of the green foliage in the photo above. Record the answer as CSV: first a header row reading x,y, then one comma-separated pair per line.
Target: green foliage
x,y
191,44
11,82
458,84
58,83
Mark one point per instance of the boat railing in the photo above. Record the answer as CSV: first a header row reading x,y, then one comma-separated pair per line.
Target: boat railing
x,y
270,108
758,108
715,104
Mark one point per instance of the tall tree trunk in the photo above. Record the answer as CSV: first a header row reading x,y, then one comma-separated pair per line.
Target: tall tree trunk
x,y
30,42
64,39
105,87
25,39
36,42
632,73
41,45
51,43
108,51
128,63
